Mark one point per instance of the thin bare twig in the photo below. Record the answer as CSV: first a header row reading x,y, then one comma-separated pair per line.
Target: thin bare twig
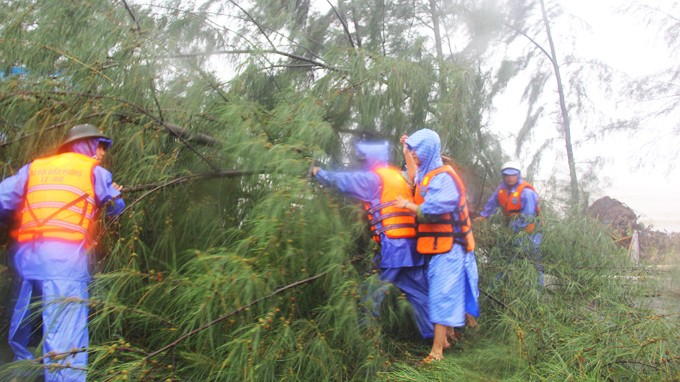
x,y
534,42
254,51
132,15
52,127
187,178
344,24
624,362
233,312
494,299
161,120
158,186
176,130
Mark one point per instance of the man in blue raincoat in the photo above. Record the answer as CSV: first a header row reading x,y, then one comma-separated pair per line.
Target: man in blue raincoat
x,y
519,202
53,202
444,235
378,185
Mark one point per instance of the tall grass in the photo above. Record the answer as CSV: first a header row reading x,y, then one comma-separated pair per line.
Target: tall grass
x,y
592,322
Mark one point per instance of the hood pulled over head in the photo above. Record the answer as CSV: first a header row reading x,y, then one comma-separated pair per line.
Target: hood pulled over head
x,y
373,154
427,146
85,146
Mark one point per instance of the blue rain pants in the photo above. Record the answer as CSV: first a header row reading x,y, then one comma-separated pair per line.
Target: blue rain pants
x,y
64,323
412,281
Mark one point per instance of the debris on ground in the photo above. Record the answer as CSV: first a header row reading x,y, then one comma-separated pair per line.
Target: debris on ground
x,y
623,222
620,218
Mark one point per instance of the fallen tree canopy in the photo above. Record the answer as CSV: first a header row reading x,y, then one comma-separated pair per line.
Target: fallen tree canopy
x,y
229,263
621,221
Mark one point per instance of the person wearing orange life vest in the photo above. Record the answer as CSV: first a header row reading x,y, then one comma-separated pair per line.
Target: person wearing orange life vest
x,y
377,184
444,235
54,203
519,202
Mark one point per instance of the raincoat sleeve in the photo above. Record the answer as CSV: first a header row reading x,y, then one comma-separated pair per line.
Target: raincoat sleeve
x,y
362,185
105,192
441,198
12,192
491,205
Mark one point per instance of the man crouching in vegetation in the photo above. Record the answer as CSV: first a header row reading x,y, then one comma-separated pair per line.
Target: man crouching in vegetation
x,y
519,202
444,233
55,201
378,185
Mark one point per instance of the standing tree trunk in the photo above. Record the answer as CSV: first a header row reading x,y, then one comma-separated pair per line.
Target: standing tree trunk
x,y
434,12
435,25
566,130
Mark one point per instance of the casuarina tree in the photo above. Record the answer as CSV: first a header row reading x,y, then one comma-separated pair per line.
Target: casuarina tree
x,y
226,263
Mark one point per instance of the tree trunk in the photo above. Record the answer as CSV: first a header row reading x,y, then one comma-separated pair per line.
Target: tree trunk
x,y
566,129
435,26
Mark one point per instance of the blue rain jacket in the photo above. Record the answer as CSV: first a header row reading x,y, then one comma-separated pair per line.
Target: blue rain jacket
x,y
45,259
452,276
529,199
400,264
529,244
57,272
367,186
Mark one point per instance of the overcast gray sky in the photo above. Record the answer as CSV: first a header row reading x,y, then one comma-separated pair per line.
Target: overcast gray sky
x,y
627,44
639,168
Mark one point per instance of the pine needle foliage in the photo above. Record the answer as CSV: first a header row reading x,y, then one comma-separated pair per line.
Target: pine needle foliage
x,y
229,263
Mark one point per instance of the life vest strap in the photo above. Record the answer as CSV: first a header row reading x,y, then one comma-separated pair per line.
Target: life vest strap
x,y
393,226
35,218
452,221
444,234
380,218
40,223
460,241
380,206
39,234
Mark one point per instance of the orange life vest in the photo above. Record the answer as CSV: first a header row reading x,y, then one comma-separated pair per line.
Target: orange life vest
x,y
394,221
512,204
60,201
438,237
